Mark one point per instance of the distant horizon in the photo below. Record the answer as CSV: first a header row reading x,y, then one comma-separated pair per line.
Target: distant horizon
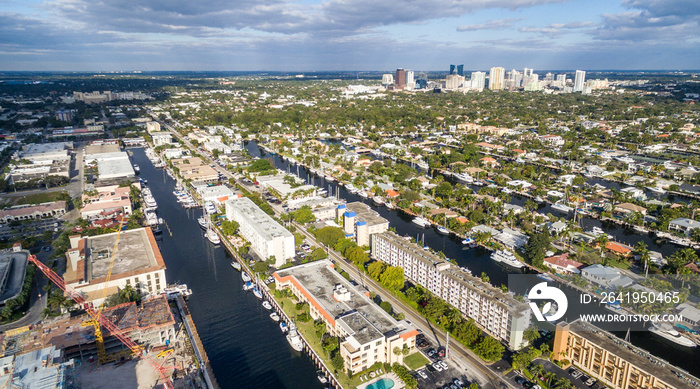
x,y
297,72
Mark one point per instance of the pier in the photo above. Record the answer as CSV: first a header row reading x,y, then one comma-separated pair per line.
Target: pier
x,y
201,355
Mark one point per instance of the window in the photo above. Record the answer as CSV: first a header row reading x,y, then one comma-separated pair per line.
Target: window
x,y
367,347
379,343
148,276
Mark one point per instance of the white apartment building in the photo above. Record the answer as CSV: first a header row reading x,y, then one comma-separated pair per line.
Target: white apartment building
x,y
478,81
579,81
497,78
152,127
266,236
499,314
136,261
161,138
360,222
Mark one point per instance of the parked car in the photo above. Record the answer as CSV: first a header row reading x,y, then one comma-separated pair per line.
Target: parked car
x,y
575,372
422,374
443,364
437,366
431,352
458,382
441,352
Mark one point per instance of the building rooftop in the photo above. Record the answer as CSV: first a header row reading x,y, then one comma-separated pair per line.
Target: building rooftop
x,y
636,356
365,213
136,251
261,222
113,165
356,312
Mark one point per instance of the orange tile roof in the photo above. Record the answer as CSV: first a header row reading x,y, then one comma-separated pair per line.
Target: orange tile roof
x,y
391,193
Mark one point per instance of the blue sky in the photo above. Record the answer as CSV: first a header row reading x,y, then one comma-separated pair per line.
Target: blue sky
x,y
305,35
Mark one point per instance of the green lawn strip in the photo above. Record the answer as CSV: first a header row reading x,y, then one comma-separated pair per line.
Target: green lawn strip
x,y
415,361
36,198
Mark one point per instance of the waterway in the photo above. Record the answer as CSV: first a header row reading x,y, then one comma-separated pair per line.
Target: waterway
x,y
479,261
246,348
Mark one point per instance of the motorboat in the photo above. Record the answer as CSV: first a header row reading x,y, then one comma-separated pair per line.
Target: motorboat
x,y
248,285
539,200
469,242
561,208
245,277
363,194
257,292
150,201
203,223
546,277
378,200
294,339
137,169
210,207
321,377
656,189
443,230
329,178
665,331
463,178
283,326
213,236
420,222
506,257
390,205
266,304
173,291
351,188
274,316
236,265
506,190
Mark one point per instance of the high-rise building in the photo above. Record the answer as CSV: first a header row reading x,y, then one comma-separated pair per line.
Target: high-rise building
x,y
400,78
527,76
561,80
579,81
478,81
513,79
452,69
453,81
496,78
410,80
549,77
387,79
460,70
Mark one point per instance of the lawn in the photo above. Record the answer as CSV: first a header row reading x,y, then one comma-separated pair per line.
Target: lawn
x,y
415,361
37,198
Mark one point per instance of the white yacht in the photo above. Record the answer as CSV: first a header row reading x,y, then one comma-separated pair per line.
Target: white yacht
x,y
561,208
656,189
378,200
506,190
294,339
236,265
210,207
213,236
390,205
245,277
172,291
421,222
463,177
137,169
283,327
596,231
665,331
539,200
266,304
203,222
274,316
363,194
443,230
507,258
351,188
150,201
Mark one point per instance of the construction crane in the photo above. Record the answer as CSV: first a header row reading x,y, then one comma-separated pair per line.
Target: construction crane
x,y
112,328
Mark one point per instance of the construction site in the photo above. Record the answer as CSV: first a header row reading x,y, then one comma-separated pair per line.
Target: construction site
x,y
156,326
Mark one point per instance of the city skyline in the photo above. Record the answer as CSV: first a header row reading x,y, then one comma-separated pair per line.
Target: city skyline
x,y
307,35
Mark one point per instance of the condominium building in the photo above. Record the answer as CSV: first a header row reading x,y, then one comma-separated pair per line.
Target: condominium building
x,y
478,81
496,78
267,237
453,81
98,266
368,334
360,221
579,81
498,313
161,138
614,362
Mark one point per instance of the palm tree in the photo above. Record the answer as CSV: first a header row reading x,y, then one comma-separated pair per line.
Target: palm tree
x,y
644,255
57,301
602,241
537,370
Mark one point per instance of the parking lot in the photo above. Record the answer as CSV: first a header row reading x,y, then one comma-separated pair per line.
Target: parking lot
x,y
441,372
29,228
574,375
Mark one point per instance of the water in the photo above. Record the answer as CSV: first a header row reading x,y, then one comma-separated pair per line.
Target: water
x,y
479,261
246,348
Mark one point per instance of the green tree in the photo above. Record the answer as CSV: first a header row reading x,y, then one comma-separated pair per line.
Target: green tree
x,y
261,267
392,278
489,349
229,227
386,306
375,269
531,334
303,215
329,236
536,247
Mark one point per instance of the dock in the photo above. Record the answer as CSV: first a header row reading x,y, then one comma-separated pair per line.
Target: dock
x,y
201,355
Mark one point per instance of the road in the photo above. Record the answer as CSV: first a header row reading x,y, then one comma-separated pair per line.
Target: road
x,y
37,301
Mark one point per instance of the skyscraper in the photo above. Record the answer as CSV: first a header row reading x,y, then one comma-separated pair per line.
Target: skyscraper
x,y
387,79
478,81
561,80
460,70
453,81
579,81
452,69
410,80
400,78
496,76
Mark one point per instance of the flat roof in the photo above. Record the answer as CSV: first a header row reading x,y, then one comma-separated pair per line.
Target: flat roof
x,y
320,280
365,213
136,251
102,149
14,265
115,166
662,369
262,223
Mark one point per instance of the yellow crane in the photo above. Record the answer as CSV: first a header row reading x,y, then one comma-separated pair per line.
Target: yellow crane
x,y
102,356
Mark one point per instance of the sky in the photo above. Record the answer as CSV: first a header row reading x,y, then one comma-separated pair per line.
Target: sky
x,y
378,35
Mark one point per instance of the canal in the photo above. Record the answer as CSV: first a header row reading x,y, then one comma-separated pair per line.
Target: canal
x,y
246,348
478,260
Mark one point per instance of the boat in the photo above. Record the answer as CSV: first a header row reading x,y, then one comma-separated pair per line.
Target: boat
x,y
246,277
322,192
137,169
539,200
213,236
257,292
248,285
173,291
203,223
351,188
150,201
506,257
283,327
546,277
656,189
469,242
378,200
506,190
363,194
329,178
680,241
443,230
210,207
390,205
321,377
266,304
236,265
420,222
561,208
463,177
478,183
665,331
274,316
294,339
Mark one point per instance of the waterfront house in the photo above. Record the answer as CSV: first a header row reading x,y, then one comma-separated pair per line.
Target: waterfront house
x,y
605,276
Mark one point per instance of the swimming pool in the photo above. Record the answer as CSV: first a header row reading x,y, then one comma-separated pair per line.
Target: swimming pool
x,y
384,383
